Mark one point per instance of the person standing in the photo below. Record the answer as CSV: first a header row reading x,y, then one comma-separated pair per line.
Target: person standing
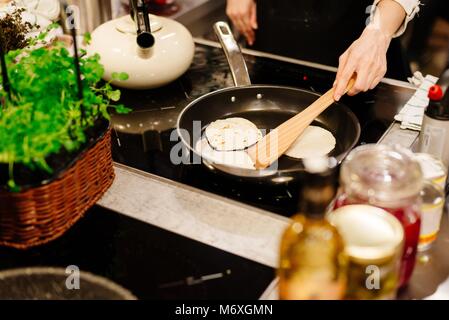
x,y
358,36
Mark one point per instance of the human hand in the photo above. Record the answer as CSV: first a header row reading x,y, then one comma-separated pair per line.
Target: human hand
x,y
367,58
243,14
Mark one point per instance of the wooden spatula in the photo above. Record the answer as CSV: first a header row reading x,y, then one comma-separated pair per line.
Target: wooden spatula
x,y
279,140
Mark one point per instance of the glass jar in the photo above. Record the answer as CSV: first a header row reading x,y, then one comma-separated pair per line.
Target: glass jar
x,y
390,178
432,196
433,169
374,244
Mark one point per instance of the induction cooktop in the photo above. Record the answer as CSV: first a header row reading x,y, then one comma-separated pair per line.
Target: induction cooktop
x,y
150,262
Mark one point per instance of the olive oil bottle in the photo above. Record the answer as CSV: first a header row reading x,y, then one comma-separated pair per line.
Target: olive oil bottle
x,y
313,263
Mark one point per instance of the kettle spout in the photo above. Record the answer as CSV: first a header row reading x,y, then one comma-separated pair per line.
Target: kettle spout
x,y
145,40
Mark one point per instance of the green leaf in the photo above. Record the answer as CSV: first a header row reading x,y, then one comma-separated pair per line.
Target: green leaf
x,y
70,145
122,109
123,76
114,95
104,112
13,186
52,26
87,38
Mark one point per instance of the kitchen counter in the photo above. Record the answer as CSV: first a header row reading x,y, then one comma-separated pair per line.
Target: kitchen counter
x,y
222,223
240,229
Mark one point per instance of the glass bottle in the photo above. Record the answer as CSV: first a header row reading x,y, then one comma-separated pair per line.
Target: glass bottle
x,y
312,259
388,177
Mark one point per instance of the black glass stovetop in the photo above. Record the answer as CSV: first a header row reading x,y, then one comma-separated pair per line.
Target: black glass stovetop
x,y
150,262
144,138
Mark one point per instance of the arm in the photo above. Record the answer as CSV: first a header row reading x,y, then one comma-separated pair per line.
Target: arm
x,y
243,14
411,8
367,55
388,17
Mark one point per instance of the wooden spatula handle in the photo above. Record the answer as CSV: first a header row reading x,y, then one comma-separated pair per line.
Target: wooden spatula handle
x,y
279,140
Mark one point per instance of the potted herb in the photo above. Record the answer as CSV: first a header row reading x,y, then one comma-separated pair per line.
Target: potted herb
x,y
55,157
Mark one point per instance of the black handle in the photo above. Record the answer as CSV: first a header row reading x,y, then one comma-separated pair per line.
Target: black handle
x,y
70,14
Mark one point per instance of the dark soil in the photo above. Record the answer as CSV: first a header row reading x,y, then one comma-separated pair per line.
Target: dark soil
x,y
27,178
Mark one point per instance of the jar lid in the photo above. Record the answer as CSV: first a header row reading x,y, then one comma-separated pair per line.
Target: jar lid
x,y
382,174
370,234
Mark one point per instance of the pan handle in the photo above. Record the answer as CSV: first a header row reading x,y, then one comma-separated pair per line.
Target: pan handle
x,y
233,54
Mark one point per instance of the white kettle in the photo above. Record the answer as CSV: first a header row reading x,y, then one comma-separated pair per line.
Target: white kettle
x,y
152,50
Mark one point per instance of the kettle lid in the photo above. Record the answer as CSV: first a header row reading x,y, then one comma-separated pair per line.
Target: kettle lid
x,y
127,25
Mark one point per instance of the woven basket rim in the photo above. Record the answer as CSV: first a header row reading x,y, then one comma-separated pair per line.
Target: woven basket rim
x,y
58,174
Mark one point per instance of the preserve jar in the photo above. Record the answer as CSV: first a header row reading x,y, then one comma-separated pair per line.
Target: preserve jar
x,y
374,244
388,177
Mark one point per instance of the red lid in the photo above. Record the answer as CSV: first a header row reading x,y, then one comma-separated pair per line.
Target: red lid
x,y
435,93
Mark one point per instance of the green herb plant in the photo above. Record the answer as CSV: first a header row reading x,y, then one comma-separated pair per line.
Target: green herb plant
x,y
44,114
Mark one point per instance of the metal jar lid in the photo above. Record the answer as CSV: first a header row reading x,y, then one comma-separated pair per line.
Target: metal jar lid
x,y
371,234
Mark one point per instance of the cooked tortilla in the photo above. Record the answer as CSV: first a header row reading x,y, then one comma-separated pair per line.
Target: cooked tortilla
x,y
232,134
237,159
314,142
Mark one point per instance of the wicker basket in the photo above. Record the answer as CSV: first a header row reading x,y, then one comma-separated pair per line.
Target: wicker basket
x,y
41,214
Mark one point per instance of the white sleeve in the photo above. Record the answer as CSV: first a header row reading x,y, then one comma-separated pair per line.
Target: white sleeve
x,y
411,8
49,9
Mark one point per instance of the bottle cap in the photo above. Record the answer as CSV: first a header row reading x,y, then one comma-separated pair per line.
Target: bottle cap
x,y
435,93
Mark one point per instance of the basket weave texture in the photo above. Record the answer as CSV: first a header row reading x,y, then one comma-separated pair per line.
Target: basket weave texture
x,y
39,215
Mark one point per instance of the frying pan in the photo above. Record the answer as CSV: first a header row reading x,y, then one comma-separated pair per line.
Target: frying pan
x,y
267,106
